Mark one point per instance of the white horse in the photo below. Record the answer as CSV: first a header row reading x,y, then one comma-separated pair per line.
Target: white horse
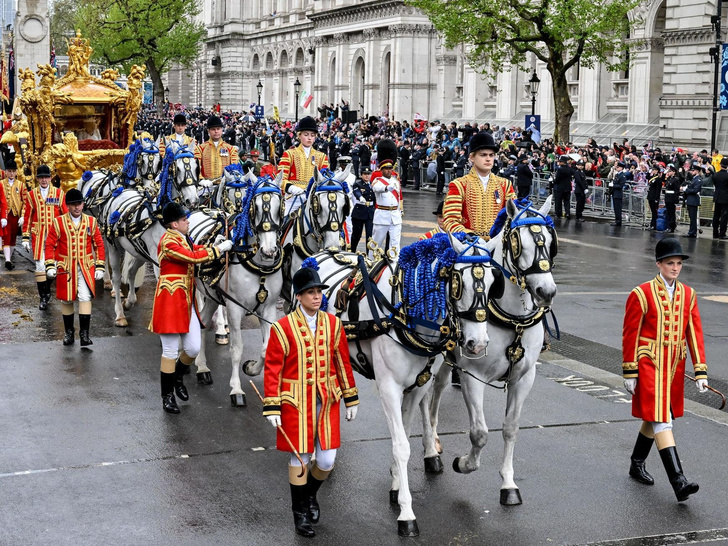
x,y
253,280
432,299
149,162
317,225
525,248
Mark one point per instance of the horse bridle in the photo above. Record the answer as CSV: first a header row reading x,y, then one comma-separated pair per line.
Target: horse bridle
x,y
267,222
543,259
146,162
189,179
333,223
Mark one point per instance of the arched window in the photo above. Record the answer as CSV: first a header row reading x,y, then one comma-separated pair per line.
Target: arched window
x,y
284,59
299,57
256,62
269,61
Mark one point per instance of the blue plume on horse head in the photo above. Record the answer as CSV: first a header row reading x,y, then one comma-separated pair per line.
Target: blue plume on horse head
x,y
234,168
165,181
87,175
129,168
524,207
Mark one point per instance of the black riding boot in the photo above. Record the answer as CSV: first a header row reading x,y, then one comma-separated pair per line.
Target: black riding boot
x,y
70,337
299,504
179,385
313,485
169,404
84,322
48,284
637,468
43,305
683,489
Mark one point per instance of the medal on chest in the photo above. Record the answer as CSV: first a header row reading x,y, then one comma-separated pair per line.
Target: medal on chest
x,y
497,197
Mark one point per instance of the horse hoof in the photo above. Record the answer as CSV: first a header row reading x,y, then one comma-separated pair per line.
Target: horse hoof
x,y
121,323
127,305
433,465
107,285
247,365
456,466
438,445
113,293
222,340
237,400
408,528
394,496
510,497
204,378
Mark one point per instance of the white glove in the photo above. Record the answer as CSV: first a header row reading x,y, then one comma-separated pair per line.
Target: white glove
x,y
224,246
51,273
206,183
586,192
351,413
702,385
3,223
630,385
274,420
219,239
26,246
21,221
295,190
362,201
99,275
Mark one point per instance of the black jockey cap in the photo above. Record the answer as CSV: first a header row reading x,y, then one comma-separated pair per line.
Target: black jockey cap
x,y
43,170
307,124
74,197
214,122
305,278
11,165
172,212
482,141
180,119
668,247
438,211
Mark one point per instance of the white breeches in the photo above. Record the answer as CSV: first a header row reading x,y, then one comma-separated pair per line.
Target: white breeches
x,y
84,292
40,264
190,340
325,458
661,427
379,234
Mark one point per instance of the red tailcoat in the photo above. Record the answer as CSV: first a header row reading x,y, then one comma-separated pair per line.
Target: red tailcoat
x,y
175,295
298,169
39,215
70,246
301,368
471,208
657,332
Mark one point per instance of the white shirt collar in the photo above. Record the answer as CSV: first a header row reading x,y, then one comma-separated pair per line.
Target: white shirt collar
x,y
312,320
307,151
44,191
670,289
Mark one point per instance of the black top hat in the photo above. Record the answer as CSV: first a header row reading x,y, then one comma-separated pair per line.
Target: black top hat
x,y
482,141
173,212
306,278
307,124
43,170
74,197
11,165
669,247
438,211
180,119
214,122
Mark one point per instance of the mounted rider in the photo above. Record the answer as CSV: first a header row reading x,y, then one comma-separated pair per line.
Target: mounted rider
x,y
474,200
180,125
298,165
175,315
307,374
215,154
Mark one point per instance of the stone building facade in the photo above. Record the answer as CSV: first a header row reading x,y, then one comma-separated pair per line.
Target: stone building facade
x,y
384,56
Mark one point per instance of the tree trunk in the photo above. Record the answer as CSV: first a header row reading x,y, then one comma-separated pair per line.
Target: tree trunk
x,y
157,84
563,107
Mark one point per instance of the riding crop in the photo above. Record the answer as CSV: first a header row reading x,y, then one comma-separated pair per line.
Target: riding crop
x,y
722,404
283,433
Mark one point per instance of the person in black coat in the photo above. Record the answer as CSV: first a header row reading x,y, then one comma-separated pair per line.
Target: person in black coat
x,y
672,196
720,200
654,190
580,190
417,156
365,156
440,160
524,177
362,216
616,189
461,164
562,188
404,161
692,197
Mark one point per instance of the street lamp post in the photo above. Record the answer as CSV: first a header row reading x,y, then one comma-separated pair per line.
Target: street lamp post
x,y
534,82
260,90
297,87
166,94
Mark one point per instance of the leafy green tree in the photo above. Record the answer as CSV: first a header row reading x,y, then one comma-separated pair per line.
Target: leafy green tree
x,y
62,21
155,33
560,33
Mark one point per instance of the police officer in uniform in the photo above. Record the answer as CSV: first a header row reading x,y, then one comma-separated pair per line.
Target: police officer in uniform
x,y
654,191
692,198
362,216
672,196
562,188
616,188
661,322
720,200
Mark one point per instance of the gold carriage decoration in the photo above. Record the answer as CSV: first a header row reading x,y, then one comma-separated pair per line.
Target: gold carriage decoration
x,y
78,122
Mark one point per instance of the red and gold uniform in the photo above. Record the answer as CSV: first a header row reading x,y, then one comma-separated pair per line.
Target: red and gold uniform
x,y
657,333
183,140
429,234
39,215
213,159
3,206
472,208
175,294
71,246
301,367
15,194
298,169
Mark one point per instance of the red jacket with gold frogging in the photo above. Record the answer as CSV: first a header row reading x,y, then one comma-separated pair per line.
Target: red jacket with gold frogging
x,y
656,335
300,368
39,215
175,295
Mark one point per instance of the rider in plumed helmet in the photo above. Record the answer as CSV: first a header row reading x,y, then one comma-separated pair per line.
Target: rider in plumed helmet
x,y
298,164
307,374
661,322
